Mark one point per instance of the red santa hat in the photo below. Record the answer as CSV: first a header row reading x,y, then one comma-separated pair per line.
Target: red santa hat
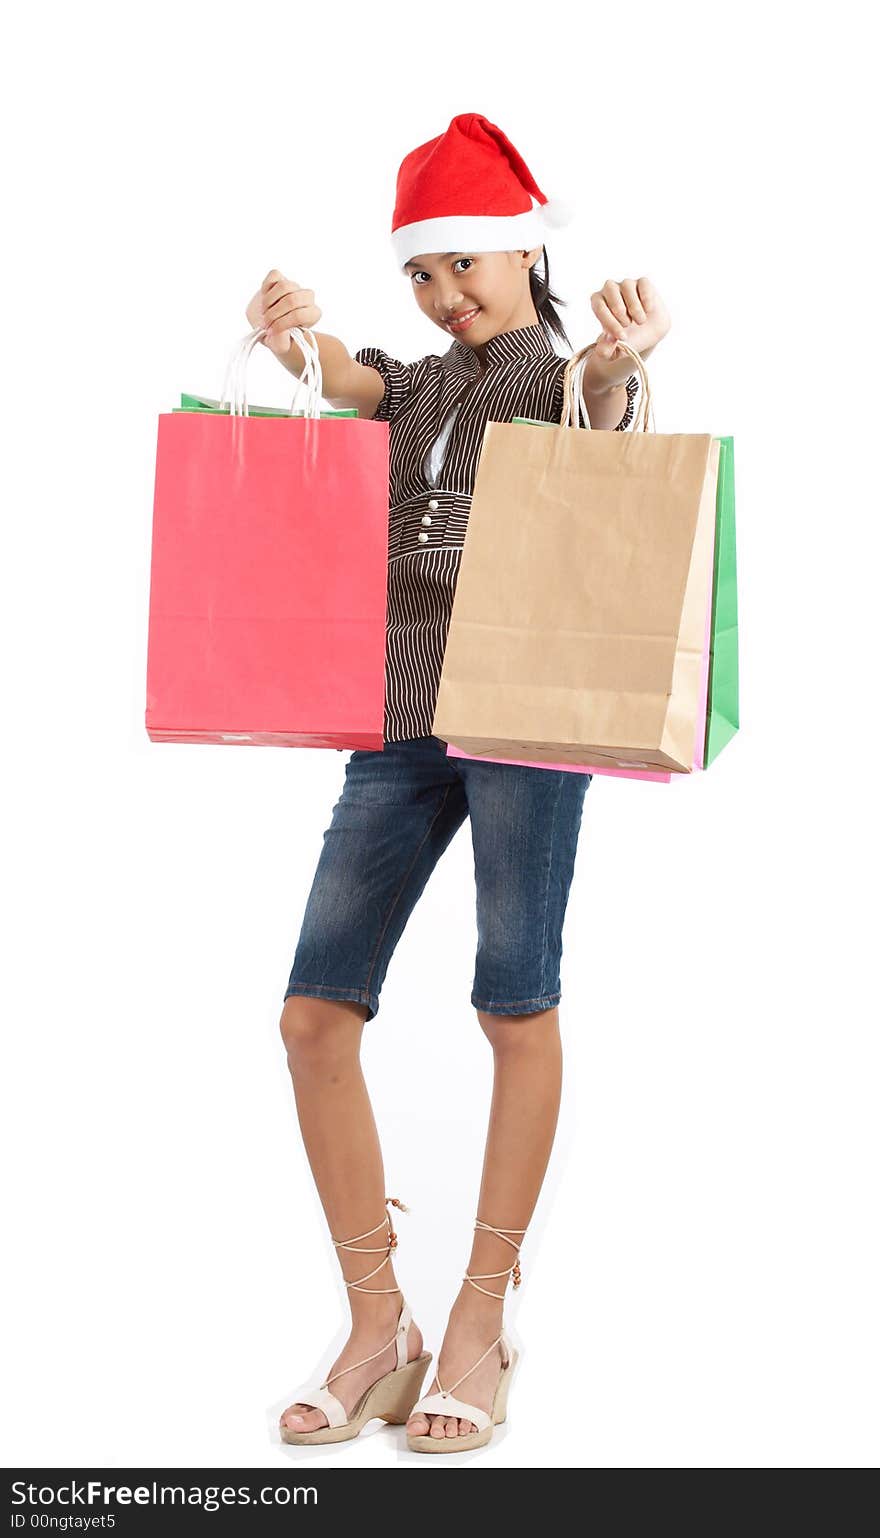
x,y
469,190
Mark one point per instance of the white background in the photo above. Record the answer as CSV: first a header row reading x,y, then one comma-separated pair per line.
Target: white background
x,y
701,1275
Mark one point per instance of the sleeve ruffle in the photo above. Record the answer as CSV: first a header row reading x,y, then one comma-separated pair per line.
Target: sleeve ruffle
x,y
398,379
632,390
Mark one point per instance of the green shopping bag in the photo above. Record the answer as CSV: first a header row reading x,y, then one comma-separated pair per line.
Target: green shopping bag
x,y
205,403
722,717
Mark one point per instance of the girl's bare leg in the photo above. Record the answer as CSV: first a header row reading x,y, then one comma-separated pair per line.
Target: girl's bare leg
x,y
522,1126
323,1040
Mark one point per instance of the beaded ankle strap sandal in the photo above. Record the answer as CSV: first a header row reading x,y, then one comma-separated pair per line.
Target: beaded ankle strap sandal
x,y
391,1397
444,1401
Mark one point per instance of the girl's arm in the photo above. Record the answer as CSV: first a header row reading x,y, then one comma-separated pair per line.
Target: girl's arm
x,y
605,408
346,384
280,304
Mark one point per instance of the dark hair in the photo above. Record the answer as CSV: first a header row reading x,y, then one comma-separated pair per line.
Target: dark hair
x,y
545,301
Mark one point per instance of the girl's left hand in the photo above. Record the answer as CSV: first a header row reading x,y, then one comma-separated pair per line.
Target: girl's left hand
x,y
633,312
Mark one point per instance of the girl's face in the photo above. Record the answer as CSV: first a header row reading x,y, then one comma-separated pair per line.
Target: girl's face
x,y
473,296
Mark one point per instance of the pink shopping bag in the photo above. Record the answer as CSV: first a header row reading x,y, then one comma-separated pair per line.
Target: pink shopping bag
x,y
268,577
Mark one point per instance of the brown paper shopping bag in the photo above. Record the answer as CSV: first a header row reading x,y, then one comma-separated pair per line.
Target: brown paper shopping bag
x,y
578,627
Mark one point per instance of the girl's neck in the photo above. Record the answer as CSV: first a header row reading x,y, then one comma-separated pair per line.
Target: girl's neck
x,y
525,314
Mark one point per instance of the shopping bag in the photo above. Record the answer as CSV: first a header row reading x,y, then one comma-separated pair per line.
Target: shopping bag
x,y
528,763
223,408
268,571
719,716
723,688
578,628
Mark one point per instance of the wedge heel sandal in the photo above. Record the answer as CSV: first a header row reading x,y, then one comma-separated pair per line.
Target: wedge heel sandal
x,y
392,1396
445,1402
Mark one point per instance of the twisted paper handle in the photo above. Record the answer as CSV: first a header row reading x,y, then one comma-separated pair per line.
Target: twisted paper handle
x,y
574,410
235,381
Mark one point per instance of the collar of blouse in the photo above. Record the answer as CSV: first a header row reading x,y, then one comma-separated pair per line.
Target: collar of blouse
x,y
506,347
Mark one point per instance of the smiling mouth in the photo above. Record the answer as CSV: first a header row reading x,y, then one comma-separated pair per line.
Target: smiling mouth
x,y
461,322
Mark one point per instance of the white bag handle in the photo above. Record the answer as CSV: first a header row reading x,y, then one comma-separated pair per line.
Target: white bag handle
x,y
311,375
234,385
235,381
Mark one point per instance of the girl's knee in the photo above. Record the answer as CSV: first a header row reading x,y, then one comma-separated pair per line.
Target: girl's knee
x,y
320,1027
536,1032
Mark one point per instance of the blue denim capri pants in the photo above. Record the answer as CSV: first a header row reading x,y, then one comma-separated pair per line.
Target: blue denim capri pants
x,y
400,806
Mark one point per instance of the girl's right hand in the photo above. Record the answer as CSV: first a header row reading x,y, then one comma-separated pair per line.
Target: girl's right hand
x,y
280,304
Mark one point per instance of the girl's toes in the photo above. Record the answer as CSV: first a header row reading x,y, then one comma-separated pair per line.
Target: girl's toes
x,y
452,1427
303,1419
418,1425
438,1426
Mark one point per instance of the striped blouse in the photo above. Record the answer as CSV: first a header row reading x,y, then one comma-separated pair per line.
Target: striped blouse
x,y
438,408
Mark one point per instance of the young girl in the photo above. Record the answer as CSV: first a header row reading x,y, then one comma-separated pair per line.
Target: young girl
x,y
467,231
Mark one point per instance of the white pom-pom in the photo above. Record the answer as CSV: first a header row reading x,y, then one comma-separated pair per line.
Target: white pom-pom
x,y
555,213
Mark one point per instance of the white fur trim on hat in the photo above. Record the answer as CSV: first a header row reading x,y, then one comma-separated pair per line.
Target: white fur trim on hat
x,y
468,232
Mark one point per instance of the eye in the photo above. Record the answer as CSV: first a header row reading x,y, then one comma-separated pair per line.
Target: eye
x,y
417,276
